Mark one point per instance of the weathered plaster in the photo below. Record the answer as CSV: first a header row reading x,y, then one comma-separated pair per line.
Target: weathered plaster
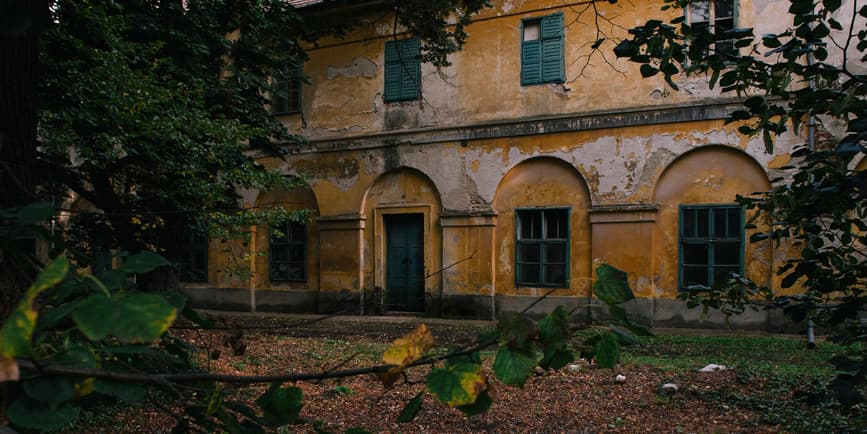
x,y
360,67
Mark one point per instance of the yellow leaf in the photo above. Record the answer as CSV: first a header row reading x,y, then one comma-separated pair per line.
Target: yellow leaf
x,y
85,387
404,351
473,384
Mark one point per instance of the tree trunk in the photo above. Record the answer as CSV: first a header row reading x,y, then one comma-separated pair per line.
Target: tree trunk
x,y
20,23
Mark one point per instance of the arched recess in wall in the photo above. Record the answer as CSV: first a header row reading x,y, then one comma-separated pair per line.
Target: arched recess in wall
x,y
290,260
698,190
532,202
402,243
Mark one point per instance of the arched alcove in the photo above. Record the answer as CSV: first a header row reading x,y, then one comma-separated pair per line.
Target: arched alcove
x,y
296,265
402,243
699,190
551,190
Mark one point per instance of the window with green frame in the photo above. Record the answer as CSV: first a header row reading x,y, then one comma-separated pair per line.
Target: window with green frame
x,y
402,70
288,253
711,22
711,244
542,247
286,97
193,263
542,50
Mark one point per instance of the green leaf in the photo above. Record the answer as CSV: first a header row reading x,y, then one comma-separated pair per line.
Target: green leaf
x,y
96,316
18,329
612,285
626,48
143,262
554,328
482,404
132,318
128,392
648,71
145,318
608,351
51,317
51,390
768,140
32,414
515,330
410,411
281,406
457,384
514,366
556,358
713,78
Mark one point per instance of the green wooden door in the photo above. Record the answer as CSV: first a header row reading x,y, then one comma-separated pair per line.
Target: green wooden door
x,y
404,262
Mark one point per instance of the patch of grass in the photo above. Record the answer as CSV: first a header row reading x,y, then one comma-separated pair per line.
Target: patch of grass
x,y
779,377
763,354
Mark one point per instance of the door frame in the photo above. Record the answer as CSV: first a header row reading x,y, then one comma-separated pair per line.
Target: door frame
x,y
379,247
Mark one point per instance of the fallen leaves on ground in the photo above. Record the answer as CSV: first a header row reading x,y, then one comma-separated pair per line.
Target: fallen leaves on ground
x,y
551,401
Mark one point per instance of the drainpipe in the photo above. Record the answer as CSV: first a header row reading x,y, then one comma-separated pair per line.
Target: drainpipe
x,y
252,253
811,145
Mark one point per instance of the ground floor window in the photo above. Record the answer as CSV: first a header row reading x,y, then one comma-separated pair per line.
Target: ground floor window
x,y
288,253
711,244
542,247
193,263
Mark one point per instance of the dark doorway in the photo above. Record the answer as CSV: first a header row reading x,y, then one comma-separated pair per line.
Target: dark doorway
x,y
404,262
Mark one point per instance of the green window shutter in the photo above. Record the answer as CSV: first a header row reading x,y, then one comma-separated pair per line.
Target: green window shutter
x,y
531,62
552,61
542,59
552,26
411,71
552,48
402,70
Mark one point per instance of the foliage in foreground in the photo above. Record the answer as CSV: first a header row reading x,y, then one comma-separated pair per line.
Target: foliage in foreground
x,y
78,340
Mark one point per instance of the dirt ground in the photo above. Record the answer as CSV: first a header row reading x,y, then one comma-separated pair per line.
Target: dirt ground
x,y
570,402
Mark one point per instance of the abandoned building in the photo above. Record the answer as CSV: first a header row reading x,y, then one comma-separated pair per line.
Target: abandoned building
x,y
471,190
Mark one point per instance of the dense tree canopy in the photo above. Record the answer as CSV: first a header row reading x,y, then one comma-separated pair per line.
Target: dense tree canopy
x,y
148,109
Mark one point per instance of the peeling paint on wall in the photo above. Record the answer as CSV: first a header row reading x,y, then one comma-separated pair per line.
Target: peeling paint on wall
x,y
360,67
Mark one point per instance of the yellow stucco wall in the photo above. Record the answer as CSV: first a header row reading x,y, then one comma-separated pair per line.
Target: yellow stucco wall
x,y
344,96
622,153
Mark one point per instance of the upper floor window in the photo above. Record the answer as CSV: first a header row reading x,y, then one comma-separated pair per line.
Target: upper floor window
x,y
286,97
542,247
711,22
542,50
711,244
402,70
288,253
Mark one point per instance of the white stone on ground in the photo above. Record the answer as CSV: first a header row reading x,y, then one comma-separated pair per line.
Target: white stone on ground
x,y
713,368
620,378
669,387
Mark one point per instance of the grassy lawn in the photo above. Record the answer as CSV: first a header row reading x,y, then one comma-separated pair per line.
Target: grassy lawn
x,y
778,377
